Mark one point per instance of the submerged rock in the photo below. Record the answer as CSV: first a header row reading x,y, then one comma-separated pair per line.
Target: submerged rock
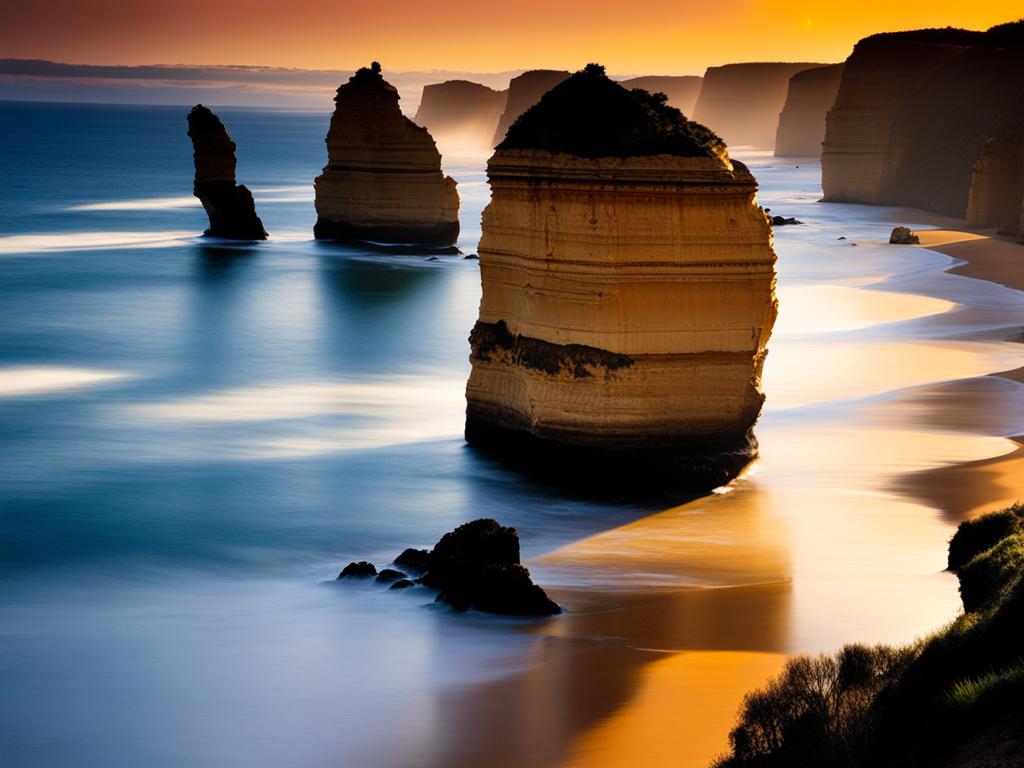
x,y
229,206
781,221
383,180
402,584
388,575
609,212
362,569
903,236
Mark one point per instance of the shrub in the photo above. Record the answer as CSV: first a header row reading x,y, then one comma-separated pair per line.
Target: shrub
x,y
975,536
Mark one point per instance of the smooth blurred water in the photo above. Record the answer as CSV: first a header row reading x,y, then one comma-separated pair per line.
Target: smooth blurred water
x,y
197,435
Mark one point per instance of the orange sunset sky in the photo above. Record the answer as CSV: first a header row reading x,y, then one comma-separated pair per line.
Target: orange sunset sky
x,y
655,36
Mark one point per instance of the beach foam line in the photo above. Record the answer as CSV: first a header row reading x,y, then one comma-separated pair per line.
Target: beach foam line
x,y
25,381
292,194
89,241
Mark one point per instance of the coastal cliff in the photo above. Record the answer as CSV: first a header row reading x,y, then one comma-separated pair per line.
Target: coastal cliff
x,y
628,297
742,102
891,138
524,91
229,206
461,112
996,197
383,180
682,90
810,96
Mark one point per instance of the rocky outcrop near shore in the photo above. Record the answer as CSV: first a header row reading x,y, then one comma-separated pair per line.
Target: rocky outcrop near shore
x,y
383,181
810,96
524,91
913,112
996,197
461,113
742,102
682,91
229,206
628,293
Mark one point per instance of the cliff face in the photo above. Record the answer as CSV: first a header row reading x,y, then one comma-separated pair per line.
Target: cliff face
x,y
682,91
627,288
742,102
460,112
810,96
523,92
383,180
996,197
229,206
913,111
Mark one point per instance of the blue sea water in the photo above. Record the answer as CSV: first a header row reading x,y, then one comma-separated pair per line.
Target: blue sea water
x,y
196,435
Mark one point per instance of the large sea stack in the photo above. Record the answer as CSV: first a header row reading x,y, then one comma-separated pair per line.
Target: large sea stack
x,y
682,90
461,112
996,197
810,96
628,293
229,206
742,102
383,180
523,92
914,111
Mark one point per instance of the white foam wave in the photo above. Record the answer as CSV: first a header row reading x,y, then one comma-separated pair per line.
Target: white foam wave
x,y
88,241
22,381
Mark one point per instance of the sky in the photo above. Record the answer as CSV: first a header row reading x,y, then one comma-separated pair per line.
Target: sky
x,y
651,36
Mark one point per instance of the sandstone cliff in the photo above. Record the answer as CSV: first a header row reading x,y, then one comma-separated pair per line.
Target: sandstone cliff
x,y
523,92
682,91
810,96
996,197
383,180
229,206
742,102
913,111
461,113
627,292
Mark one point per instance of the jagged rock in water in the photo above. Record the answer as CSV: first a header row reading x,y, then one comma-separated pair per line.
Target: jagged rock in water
x,y
361,570
524,91
811,95
742,102
628,294
402,584
229,206
383,180
682,90
781,221
903,236
414,560
460,112
913,111
996,197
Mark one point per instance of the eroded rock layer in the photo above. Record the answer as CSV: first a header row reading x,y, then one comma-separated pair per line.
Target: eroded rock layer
x,y
682,90
996,196
810,96
913,111
229,206
627,291
742,102
524,91
383,181
460,112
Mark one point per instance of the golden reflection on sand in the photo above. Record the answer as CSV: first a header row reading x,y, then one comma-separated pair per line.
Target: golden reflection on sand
x,y
817,309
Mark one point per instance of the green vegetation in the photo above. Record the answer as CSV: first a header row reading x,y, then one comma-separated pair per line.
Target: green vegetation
x,y
952,699
589,115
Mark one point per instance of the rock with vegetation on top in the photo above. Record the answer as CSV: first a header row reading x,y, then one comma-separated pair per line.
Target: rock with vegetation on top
x,y
383,181
229,206
524,91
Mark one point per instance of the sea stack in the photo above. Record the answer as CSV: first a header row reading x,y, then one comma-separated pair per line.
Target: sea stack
x,y
913,112
996,197
628,293
810,96
229,206
682,90
383,181
742,102
524,91
461,112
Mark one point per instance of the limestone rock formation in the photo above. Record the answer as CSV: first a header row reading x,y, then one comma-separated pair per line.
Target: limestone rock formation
x,y
628,293
229,206
524,91
996,196
383,180
460,112
742,102
913,111
682,91
811,95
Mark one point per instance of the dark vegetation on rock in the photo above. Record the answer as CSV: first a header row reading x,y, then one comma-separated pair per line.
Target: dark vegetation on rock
x,y
589,115
229,206
953,700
